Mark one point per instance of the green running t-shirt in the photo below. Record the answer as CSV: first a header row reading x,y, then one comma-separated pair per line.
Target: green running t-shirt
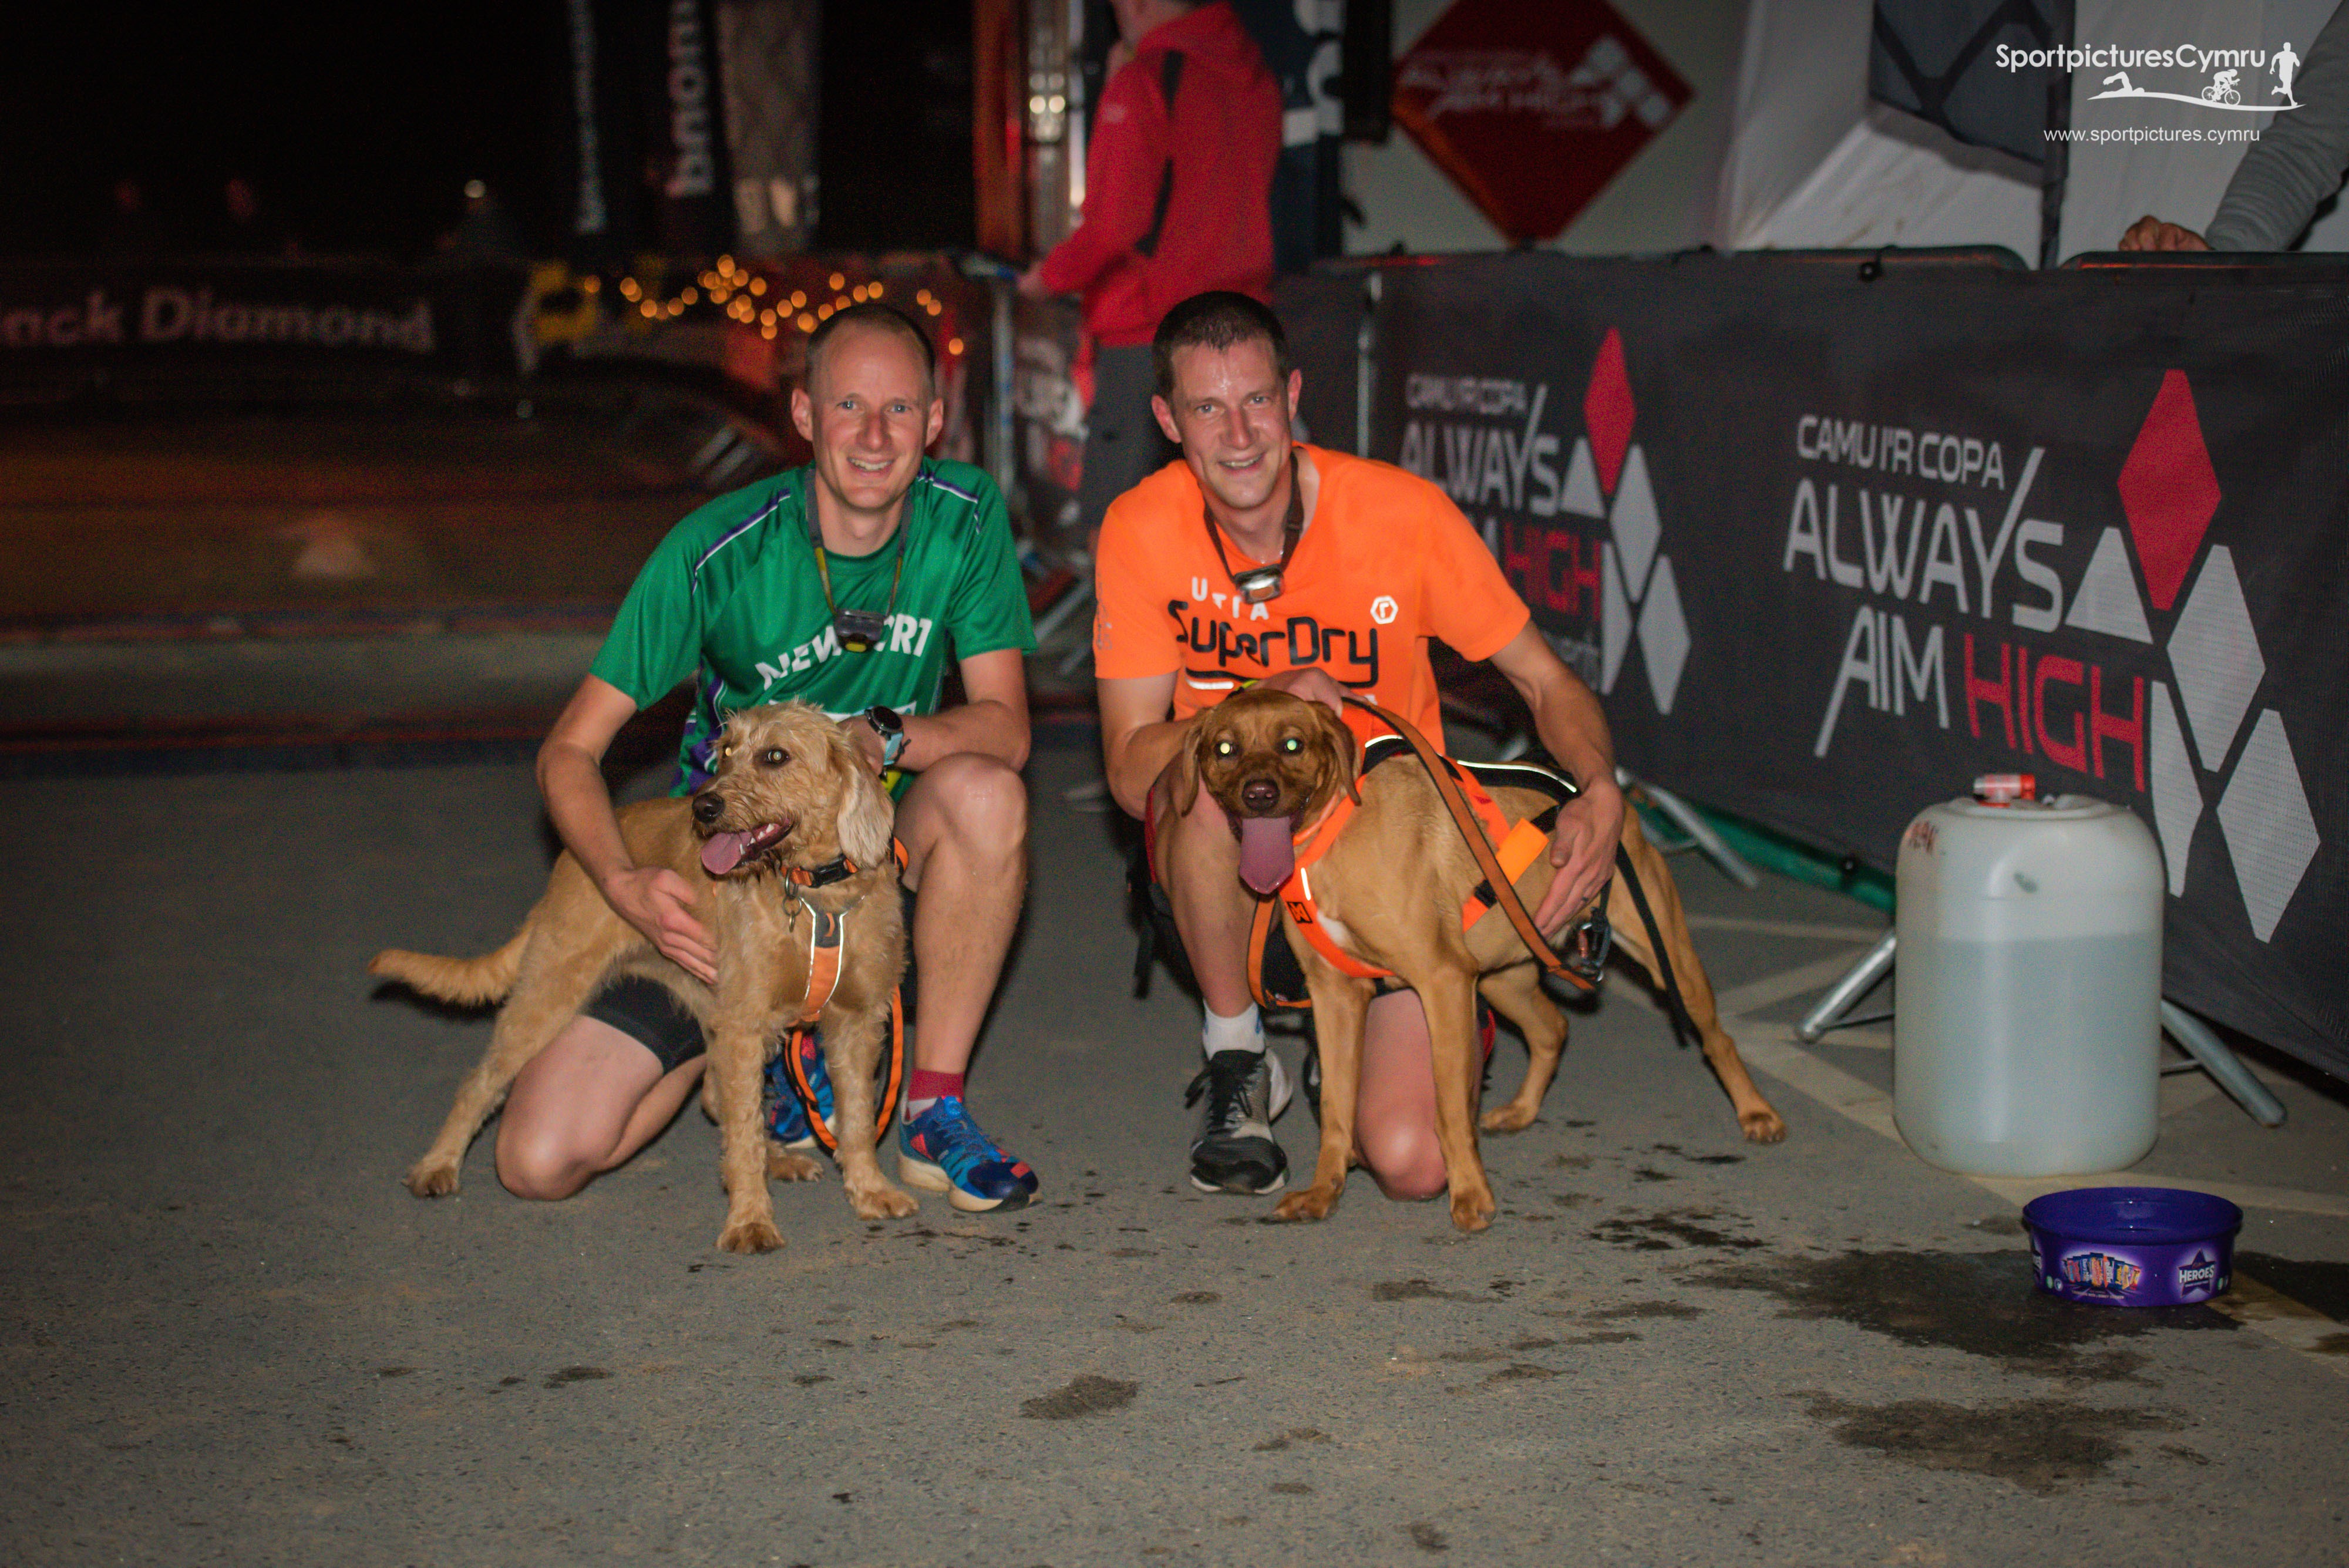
x,y
732,596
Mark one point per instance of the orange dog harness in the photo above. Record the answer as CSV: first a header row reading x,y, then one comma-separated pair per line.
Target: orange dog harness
x,y
827,933
1520,844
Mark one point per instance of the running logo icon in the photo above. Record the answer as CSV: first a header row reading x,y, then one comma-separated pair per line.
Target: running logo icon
x,y
2225,90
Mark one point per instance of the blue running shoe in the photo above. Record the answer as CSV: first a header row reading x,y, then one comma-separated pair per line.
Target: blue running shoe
x,y
787,1122
942,1150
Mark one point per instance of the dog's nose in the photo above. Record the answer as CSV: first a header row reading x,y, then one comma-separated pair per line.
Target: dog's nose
x,y
1259,795
708,806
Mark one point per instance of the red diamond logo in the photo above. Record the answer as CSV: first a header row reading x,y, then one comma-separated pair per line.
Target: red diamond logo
x,y
2168,490
1607,411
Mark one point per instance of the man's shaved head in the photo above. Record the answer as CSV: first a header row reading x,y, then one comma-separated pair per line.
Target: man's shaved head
x,y
873,316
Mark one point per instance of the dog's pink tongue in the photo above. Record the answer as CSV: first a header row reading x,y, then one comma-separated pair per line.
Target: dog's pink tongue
x,y
1267,855
721,852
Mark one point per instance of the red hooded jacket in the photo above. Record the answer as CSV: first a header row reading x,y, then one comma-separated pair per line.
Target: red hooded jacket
x,y
1178,179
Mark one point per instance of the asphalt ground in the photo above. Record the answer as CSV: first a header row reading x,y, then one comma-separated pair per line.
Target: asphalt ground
x,y
227,1334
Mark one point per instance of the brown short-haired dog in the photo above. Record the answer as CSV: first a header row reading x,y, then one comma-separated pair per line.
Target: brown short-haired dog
x,y
790,792
1390,891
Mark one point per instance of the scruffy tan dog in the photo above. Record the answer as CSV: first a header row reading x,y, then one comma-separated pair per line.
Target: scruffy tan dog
x,y
1390,892
792,796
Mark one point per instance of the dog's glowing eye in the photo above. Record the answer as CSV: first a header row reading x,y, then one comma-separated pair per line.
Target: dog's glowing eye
x,y
1224,748
774,757
1292,745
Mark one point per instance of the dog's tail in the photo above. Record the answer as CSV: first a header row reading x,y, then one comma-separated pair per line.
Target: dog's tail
x,y
469,981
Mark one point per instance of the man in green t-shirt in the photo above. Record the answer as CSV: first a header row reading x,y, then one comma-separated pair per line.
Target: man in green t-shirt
x,y
844,584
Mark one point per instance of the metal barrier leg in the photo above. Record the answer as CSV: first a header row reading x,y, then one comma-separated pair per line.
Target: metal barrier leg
x,y
1689,820
1857,980
2221,1063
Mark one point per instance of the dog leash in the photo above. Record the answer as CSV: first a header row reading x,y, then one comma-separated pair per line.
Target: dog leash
x,y
1497,878
816,1124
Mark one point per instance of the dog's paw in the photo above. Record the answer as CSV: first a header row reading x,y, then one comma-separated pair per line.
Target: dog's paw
x,y
432,1179
782,1165
1511,1117
750,1236
1472,1212
882,1203
1310,1204
1764,1125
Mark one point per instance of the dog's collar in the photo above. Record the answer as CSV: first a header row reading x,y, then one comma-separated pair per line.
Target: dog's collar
x,y
1314,840
839,869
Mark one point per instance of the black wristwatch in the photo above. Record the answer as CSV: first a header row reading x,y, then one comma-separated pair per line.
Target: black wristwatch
x,y
890,725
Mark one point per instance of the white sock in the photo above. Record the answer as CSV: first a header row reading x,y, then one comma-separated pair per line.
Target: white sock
x,y
1241,1032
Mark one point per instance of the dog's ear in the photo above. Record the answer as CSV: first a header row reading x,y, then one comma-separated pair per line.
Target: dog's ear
x,y
867,815
1344,752
1183,787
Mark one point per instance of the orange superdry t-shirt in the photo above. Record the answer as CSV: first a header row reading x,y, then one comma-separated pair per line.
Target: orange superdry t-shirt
x,y
1386,562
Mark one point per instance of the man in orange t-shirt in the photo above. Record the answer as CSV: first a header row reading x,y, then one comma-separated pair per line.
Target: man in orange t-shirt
x,y
1256,559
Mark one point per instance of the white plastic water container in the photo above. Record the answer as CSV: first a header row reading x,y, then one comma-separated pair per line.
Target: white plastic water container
x,y
2026,998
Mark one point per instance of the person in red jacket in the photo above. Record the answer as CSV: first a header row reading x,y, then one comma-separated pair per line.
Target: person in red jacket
x,y
1178,185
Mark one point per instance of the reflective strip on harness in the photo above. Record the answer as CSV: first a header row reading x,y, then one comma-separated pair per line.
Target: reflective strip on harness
x,y
827,935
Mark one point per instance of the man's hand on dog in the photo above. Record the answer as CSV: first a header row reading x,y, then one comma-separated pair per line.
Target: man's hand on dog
x,y
1582,847
1313,685
659,903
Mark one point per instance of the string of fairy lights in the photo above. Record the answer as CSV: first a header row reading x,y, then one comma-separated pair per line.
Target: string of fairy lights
x,y
750,300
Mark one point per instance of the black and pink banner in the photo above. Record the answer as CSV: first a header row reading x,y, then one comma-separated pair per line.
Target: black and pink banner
x,y
1832,538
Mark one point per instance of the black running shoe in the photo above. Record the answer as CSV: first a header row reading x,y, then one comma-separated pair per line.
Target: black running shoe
x,y
1244,1091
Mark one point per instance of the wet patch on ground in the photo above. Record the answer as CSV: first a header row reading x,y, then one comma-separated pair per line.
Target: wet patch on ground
x,y
1675,1149
2043,1446
1642,1309
1087,1395
574,1374
1980,1302
1669,1231
2322,1287
1290,1439
1420,1291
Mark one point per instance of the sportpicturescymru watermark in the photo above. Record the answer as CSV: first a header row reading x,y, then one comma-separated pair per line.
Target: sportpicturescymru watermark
x,y
2227,88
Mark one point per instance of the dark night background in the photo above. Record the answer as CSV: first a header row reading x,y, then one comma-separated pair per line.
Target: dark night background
x,y
359,125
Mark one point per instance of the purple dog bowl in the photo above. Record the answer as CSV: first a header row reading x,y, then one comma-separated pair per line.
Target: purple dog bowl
x,y
2133,1246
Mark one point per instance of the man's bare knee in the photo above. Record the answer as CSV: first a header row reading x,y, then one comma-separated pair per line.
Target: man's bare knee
x,y
983,802
1406,1162
539,1167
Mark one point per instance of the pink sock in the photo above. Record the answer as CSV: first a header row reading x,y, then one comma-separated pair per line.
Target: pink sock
x,y
927,1088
